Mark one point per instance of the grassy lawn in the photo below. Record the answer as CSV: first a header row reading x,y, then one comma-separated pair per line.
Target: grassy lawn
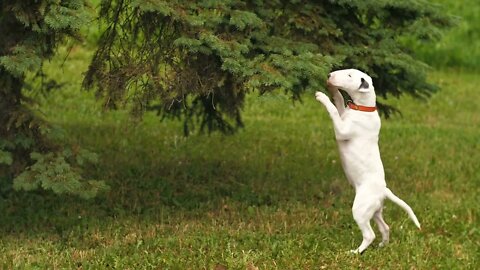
x,y
272,196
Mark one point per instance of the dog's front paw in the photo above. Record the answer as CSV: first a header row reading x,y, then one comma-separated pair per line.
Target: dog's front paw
x,y
320,96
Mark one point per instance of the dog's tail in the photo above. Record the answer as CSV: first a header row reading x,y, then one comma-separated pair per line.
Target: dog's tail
x,y
402,204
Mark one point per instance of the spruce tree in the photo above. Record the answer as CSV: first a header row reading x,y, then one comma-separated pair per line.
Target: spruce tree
x,y
30,31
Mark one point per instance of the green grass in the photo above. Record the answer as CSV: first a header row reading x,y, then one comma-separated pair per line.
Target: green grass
x,y
272,196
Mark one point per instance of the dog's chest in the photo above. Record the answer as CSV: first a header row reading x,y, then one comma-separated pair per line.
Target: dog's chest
x,y
360,154
363,124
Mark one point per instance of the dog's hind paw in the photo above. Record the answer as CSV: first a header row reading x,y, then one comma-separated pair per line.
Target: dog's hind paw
x,y
354,251
382,244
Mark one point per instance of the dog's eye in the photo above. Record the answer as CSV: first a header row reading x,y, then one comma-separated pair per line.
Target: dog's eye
x,y
349,75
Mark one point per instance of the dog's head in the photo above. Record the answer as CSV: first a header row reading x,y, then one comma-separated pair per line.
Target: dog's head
x,y
358,85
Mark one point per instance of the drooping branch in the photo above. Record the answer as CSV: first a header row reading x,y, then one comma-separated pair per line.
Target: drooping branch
x,y
198,59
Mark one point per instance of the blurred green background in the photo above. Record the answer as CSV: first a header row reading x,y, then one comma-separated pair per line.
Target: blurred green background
x,y
460,46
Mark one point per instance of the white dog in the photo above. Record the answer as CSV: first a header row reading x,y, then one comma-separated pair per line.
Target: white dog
x,y
356,130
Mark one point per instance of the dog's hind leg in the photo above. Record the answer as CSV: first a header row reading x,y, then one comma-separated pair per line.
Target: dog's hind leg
x,y
382,227
363,211
367,234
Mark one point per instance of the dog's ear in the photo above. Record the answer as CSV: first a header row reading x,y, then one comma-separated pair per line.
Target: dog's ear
x,y
364,86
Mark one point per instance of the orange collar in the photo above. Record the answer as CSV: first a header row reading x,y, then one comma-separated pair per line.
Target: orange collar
x,y
356,107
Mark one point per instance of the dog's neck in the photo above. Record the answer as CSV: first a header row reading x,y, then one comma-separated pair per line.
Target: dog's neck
x,y
365,99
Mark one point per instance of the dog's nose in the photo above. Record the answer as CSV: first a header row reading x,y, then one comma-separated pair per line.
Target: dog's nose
x,y
329,75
